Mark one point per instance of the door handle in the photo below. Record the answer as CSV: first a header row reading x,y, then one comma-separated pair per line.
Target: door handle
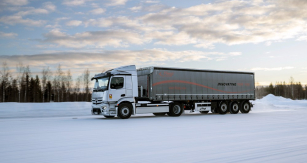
x,y
123,95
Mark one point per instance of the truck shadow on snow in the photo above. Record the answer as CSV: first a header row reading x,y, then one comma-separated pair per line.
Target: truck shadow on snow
x,y
165,116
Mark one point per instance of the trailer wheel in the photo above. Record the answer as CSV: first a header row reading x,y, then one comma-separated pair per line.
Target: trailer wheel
x,y
204,112
245,107
124,111
175,109
223,107
234,108
159,114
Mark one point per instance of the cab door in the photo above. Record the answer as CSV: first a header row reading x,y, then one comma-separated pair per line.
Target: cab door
x,y
117,88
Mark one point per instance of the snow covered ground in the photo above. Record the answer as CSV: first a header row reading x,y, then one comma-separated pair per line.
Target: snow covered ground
x,y
274,131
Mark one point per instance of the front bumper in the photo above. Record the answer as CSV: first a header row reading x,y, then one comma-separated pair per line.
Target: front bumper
x,y
103,109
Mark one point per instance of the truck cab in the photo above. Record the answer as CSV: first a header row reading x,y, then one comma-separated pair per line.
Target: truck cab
x,y
113,88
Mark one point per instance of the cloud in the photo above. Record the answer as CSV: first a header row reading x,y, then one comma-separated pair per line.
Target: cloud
x,y
33,11
17,19
235,53
116,2
122,22
98,11
302,38
171,38
107,22
56,23
203,26
292,3
95,61
136,8
155,7
74,2
218,23
8,35
99,39
74,23
151,1
272,69
49,6
15,2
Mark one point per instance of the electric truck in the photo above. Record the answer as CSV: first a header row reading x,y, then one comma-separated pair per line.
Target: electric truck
x,y
125,91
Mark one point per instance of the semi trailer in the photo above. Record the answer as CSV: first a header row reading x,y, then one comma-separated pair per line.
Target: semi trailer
x,y
126,91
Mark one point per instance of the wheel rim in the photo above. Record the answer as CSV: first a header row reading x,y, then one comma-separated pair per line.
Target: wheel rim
x,y
176,109
246,107
223,107
235,107
125,111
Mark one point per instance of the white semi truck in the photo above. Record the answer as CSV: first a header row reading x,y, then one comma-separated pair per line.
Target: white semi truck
x,y
126,91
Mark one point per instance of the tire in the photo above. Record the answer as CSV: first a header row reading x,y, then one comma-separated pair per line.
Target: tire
x,y
124,111
234,108
159,114
109,116
223,108
175,109
204,112
245,107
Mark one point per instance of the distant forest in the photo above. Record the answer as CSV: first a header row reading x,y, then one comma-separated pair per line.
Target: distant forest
x,y
59,86
292,90
55,86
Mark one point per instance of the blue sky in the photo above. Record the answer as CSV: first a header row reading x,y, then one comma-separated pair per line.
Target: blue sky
x,y
267,37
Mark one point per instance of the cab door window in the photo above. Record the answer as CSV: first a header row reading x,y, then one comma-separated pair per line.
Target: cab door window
x,y
117,83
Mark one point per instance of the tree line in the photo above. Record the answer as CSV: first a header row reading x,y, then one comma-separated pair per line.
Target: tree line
x,y
59,86
55,86
293,90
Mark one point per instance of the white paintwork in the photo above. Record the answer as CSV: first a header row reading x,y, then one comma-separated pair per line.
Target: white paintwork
x,y
116,93
131,69
129,87
142,110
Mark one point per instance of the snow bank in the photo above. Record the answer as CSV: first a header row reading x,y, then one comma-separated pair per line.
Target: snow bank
x,y
278,103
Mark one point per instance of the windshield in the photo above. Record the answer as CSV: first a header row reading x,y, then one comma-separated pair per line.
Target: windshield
x,y
101,84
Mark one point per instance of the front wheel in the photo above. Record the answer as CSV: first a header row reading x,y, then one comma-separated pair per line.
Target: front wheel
x,y
124,111
245,107
175,109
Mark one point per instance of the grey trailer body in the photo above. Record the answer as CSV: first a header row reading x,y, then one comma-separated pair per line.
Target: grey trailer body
x,y
173,84
126,91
